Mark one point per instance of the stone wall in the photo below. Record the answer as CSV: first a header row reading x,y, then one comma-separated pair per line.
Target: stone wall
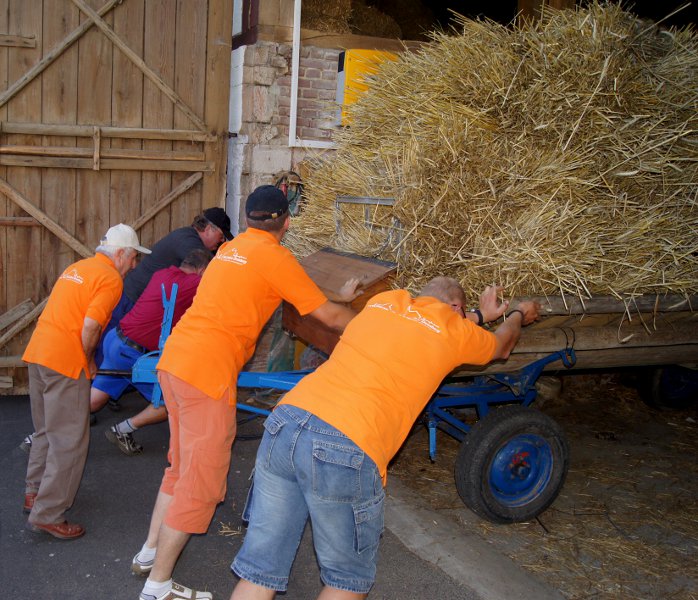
x,y
260,142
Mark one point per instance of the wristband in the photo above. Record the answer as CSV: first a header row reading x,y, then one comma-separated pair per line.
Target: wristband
x,y
480,318
516,310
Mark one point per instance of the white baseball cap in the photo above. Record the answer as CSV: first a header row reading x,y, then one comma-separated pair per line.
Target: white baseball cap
x,y
122,236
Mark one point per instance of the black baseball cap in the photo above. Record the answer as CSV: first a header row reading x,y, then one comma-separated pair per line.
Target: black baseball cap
x,y
217,216
265,203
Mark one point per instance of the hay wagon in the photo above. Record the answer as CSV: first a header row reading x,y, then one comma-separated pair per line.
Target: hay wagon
x,y
513,460
516,168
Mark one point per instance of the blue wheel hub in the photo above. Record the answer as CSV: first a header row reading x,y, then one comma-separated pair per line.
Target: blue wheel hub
x,y
520,470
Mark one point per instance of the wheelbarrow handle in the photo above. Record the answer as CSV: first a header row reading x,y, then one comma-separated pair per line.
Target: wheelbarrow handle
x,y
113,373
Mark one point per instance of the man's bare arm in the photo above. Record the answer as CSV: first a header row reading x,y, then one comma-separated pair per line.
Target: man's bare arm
x,y
508,333
91,332
335,316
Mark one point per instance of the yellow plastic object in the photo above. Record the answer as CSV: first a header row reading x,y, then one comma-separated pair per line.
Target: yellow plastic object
x,y
354,70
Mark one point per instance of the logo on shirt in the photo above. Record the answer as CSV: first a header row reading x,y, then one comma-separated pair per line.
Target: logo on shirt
x,y
410,314
72,276
232,256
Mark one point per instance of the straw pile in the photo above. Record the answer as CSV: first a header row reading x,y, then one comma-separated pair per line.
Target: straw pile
x,y
368,20
556,158
348,16
322,15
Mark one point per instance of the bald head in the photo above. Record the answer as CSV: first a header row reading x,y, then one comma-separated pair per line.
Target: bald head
x,y
445,289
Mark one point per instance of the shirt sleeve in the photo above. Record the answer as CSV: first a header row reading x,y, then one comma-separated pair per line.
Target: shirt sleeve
x,y
477,344
295,286
105,298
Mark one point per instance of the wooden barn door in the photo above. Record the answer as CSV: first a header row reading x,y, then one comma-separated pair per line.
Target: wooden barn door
x,y
110,111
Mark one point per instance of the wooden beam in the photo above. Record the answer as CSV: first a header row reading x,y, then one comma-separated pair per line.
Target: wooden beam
x,y
8,362
550,339
15,390
217,97
106,164
96,143
646,303
186,185
19,222
140,63
15,313
178,135
593,359
39,67
85,152
17,41
40,216
22,323
323,39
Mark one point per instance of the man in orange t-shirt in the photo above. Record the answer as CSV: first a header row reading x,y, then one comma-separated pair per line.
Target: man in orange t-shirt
x,y
60,354
242,286
326,448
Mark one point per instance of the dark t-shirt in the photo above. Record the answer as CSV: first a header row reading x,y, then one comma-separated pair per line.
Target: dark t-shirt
x,y
169,251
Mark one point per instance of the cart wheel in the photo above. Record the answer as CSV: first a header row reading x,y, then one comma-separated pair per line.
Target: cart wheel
x,y
512,464
671,388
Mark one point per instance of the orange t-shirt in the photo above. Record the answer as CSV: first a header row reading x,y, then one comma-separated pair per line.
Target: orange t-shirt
x,y
240,289
88,288
388,363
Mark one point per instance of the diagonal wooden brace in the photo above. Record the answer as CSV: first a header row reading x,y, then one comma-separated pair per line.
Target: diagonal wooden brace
x,y
140,63
45,220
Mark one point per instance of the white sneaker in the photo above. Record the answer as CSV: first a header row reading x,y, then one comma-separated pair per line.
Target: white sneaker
x,y
26,444
140,567
178,592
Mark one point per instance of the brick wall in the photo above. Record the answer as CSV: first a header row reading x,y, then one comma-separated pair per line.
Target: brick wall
x,y
317,86
262,120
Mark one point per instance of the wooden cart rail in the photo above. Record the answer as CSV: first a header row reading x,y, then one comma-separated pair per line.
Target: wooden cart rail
x,y
608,333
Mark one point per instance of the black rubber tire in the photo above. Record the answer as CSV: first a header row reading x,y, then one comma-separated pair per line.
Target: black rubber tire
x,y
670,388
479,462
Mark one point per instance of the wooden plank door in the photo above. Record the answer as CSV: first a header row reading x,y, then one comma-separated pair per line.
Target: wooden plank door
x,y
110,111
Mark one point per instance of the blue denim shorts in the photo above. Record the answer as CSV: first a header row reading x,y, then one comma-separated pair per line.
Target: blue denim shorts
x,y
306,468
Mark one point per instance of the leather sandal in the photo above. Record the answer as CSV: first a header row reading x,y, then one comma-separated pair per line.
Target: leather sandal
x,y
62,531
29,498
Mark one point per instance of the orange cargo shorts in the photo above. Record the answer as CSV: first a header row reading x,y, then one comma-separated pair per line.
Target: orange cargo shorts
x,y
202,430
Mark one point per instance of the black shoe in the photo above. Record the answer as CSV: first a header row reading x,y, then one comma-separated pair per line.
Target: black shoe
x,y
93,419
114,405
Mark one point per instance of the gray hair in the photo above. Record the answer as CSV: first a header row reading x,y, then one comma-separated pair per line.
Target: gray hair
x,y
106,250
111,250
446,289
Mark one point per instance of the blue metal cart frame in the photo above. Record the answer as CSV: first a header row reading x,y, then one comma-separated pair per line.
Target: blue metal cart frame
x,y
482,393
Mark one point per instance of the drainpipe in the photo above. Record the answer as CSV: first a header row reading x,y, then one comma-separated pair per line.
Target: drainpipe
x,y
293,141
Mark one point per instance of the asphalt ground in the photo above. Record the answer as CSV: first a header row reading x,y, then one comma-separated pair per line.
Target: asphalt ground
x,y
114,504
